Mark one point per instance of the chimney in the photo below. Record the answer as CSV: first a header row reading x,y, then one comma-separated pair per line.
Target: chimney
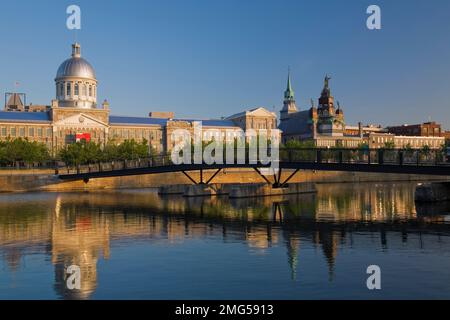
x,y
105,105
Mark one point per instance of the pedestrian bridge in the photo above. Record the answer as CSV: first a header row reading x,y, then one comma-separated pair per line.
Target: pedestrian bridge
x,y
421,162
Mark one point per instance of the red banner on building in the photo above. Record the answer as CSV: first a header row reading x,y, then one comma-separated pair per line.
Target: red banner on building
x,y
83,136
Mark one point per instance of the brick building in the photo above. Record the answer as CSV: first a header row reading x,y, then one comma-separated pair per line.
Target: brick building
x,y
426,129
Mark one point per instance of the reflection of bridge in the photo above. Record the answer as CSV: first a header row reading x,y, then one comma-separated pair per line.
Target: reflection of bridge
x,y
423,162
47,224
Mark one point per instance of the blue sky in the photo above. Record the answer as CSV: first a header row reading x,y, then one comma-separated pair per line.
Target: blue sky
x,y
209,58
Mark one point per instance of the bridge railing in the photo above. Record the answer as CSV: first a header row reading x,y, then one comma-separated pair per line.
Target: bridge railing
x,y
291,155
365,156
114,165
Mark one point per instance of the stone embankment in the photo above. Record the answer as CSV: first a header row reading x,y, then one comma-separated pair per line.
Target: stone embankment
x,y
46,180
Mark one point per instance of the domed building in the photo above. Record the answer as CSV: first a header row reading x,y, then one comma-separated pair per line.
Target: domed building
x,y
75,115
76,83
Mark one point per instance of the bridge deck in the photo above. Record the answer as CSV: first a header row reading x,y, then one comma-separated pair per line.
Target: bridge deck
x,y
356,160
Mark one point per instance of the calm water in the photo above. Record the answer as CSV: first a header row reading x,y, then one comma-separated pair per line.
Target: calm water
x,y
136,245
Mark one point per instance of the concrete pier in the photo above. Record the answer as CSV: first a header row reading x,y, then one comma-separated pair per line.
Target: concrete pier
x,y
204,190
172,189
432,192
236,190
265,190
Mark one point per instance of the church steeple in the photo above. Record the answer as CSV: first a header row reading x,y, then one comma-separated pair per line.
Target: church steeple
x,y
289,100
289,93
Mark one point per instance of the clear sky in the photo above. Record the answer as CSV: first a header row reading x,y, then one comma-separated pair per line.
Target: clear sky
x,y
211,58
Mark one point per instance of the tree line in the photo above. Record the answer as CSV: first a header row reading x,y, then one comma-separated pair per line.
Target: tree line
x,y
83,152
24,153
21,152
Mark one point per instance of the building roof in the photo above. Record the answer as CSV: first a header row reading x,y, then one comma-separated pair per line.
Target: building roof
x,y
255,111
298,123
162,122
136,120
76,66
11,116
215,123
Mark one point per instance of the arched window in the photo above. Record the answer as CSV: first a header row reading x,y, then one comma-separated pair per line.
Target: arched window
x,y
61,89
90,91
77,91
84,90
69,89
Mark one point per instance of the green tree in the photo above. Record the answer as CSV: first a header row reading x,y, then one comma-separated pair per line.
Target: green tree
x,y
363,146
389,145
17,151
426,150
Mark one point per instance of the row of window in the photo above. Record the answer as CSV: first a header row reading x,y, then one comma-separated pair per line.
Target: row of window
x,y
79,89
419,142
47,132
137,134
263,125
25,132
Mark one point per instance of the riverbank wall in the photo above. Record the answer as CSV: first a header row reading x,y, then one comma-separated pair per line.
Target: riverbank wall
x,y
46,180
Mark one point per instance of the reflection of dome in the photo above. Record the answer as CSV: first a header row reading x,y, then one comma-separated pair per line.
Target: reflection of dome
x,y
76,67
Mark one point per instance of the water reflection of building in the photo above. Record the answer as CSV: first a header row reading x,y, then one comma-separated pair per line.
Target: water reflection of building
x,y
81,227
357,202
328,240
78,240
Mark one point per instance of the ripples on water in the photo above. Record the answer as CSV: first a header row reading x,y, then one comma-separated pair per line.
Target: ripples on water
x,y
135,244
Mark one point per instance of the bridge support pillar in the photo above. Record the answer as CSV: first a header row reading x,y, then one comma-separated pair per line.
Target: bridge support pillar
x,y
278,183
201,177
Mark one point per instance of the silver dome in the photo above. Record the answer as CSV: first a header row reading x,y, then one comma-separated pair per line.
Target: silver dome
x,y
76,67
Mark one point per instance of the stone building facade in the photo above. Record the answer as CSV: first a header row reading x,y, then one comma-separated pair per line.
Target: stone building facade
x,y
74,115
325,126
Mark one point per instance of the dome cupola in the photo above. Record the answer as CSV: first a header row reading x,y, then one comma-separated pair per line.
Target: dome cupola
x,y
76,83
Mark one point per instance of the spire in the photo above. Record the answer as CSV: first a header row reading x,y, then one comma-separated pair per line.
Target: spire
x,y
76,50
289,93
